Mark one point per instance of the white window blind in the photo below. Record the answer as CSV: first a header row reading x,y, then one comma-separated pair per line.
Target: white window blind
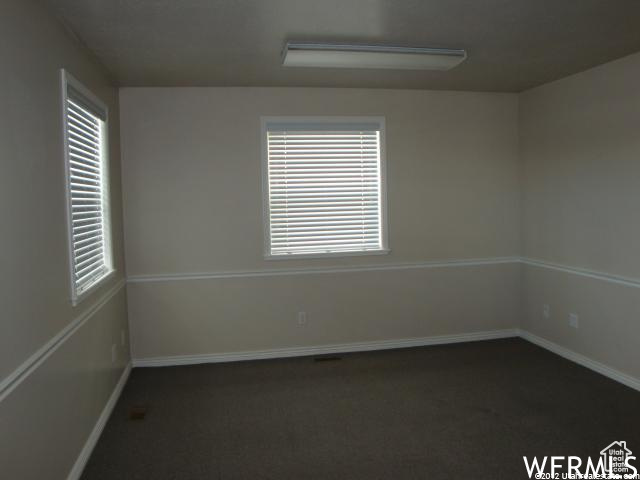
x,y
324,188
85,139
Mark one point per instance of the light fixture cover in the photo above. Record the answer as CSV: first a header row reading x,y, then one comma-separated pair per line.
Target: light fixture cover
x,y
329,55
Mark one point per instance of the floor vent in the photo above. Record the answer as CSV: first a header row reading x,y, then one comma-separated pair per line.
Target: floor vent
x,y
327,358
137,413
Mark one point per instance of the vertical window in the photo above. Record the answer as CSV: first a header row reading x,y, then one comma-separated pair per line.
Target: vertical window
x,y
324,186
85,140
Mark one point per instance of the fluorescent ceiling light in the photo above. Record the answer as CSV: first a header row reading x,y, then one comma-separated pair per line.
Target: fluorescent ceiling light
x,y
328,55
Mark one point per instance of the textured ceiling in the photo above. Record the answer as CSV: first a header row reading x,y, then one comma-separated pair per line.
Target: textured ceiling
x,y
512,44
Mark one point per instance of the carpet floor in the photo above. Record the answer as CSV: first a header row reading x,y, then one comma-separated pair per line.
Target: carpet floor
x,y
463,411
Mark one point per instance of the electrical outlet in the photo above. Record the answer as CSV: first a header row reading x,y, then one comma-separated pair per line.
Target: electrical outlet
x,y
302,318
573,320
122,338
114,353
546,311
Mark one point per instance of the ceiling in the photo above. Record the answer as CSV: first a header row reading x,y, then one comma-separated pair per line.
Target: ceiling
x,y
512,44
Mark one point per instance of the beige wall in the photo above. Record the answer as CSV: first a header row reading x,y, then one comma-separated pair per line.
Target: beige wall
x,y
192,187
192,174
59,402
580,153
580,145
192,317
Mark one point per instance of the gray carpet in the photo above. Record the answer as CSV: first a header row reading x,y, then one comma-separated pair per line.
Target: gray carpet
x,y
467,411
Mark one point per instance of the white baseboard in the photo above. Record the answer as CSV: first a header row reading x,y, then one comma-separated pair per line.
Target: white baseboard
x,y
322,349
391,344
598,367
91,442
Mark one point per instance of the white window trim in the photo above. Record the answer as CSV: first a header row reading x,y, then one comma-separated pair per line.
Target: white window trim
x,y
384,223
69,80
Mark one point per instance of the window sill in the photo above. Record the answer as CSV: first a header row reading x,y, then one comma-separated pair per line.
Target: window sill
x,y
367,253
77,299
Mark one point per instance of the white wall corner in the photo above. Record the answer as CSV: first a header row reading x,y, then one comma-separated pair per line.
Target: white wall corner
x,y
580,359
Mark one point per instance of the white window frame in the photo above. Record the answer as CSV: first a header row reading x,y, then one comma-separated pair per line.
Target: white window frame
x,y
69,81
381,121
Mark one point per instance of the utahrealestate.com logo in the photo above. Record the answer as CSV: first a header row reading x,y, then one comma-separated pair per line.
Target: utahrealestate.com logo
x,y
615,461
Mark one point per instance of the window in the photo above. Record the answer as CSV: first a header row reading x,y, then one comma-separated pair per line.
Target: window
x,y
85,140
324,186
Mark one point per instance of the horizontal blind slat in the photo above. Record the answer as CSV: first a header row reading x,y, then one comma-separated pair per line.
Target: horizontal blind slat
x,y
324,214
292,152
84,177
85,277
78,109
324,163
89,253
81,231
323,243
83,152
301,201
322,156
82,141
86,186
293,237
82,196
326,210
77,117
82,241
89,246
76,209
81,163
311,225
82,128
78,136
333,134
84,265
302,222
82,221
325,181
